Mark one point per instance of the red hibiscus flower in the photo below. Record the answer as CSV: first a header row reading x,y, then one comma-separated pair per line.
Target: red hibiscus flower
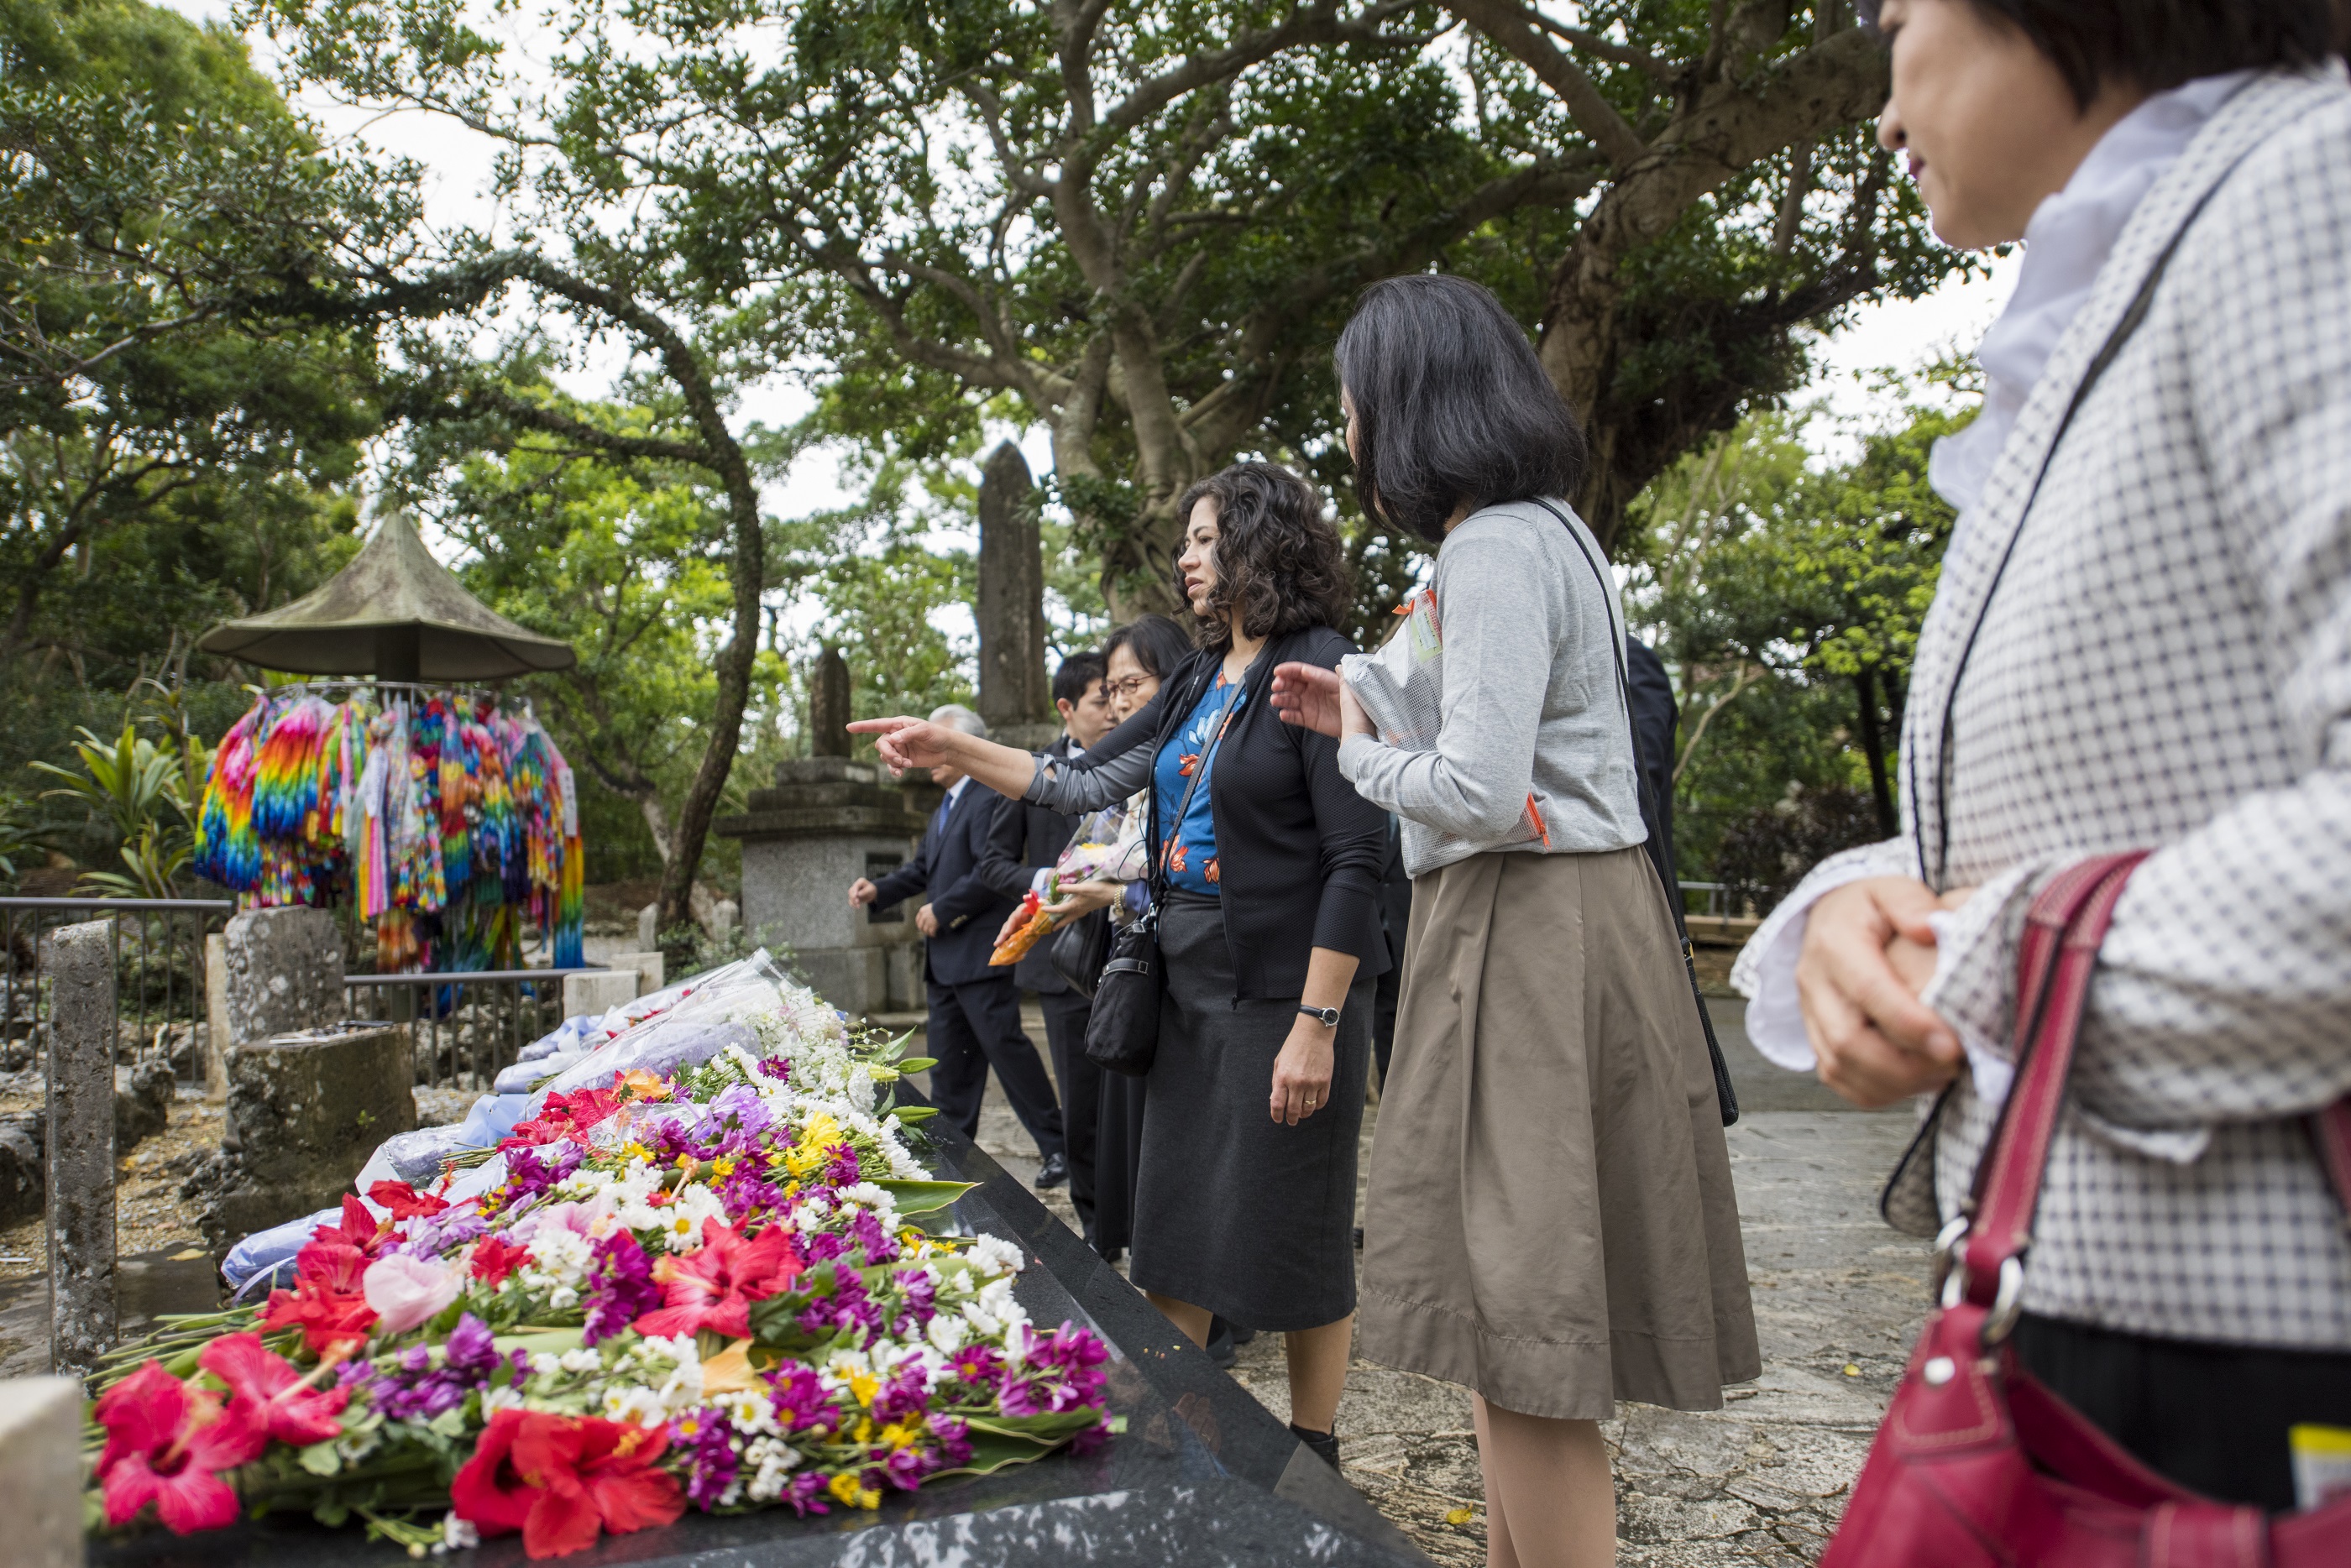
x,y
271,1393
494,1260
564,1479
714,1286
564,1116
359,1228
404,1201
165,1444
332,1322
336,1266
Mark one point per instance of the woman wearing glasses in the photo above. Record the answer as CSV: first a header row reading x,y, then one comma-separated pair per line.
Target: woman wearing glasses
x,y
1270,936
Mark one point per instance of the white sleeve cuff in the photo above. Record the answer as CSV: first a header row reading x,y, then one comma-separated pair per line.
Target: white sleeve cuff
x,y
1037,882
1765,972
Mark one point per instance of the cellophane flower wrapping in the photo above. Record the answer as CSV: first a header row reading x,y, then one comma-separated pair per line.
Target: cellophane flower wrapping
x,y
705,1272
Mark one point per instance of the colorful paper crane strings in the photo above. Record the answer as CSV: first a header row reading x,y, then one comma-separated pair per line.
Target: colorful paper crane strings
x,y
443,818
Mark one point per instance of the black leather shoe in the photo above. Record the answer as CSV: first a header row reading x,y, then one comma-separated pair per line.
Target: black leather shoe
x,y
1054,1172
1324,1446
1220,1344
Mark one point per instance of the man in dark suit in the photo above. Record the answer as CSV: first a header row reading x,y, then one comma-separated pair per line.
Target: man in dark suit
x,y
974,1009
1021,849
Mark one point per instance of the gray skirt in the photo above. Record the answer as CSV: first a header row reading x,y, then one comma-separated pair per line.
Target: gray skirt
x,y
1234,1211
1551,1218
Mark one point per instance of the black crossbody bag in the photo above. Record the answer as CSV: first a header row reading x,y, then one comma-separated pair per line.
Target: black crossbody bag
x,y
1725,1097
1122,1033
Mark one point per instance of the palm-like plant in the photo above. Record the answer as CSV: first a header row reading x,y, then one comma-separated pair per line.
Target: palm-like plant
x,y
134,784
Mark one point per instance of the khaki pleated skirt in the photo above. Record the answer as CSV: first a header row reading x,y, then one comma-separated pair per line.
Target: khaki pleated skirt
x,y
1551,1221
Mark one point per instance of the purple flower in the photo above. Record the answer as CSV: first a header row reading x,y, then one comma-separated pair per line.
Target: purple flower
x,y
922,1301
842,1170
775,1066
905,1467
710,1457
847,1307
621,1287
528,1176
413,1389
1062,1371
737,1117
879,1247
954,1434
902,1394
801,1399
431,1236
979,1365
824,1247
805,1492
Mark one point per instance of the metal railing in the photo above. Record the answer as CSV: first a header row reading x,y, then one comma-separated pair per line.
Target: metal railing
x,y
467,1027
159,967
1717,896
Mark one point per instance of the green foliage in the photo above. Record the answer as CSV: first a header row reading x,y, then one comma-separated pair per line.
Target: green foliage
x,y
1787,599
171,445
143,790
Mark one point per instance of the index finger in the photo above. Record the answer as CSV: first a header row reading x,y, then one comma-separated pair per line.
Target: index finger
x,y
889,726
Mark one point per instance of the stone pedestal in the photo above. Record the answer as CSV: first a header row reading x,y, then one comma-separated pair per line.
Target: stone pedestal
x,y
40,1470
283,970
598,993
828,820
649,965
305,1111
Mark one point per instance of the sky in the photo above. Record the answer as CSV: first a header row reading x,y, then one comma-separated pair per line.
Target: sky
x,y
1899,335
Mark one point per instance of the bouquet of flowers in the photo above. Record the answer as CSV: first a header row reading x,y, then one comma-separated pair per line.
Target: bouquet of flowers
x,y
1119,859
722,1285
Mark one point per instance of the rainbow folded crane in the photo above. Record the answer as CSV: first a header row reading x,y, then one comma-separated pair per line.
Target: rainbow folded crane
x,y
444,817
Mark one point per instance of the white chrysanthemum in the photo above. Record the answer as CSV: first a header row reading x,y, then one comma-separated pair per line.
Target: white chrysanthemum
x,y
748,1410
501,1397
681,1224
994,1311
809,1216
545,1363
563,1298
581,1358
948,1333
635,1405
558,1256
456,1535
866,1195
995,1255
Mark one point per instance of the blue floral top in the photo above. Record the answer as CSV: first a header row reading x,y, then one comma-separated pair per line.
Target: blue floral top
x,y
1190,852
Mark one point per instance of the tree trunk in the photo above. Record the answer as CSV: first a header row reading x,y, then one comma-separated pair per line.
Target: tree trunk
x,y
1873,742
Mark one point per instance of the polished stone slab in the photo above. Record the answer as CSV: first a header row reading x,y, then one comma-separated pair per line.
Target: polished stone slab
x,y
1203,1475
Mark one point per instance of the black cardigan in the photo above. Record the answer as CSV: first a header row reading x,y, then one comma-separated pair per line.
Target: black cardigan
x,y
1298,850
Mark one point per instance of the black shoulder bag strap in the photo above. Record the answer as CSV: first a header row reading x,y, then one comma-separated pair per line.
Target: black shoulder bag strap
x,y
1725,1097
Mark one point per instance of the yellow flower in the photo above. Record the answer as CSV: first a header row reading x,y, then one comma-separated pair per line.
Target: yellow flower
x,y
864,1385
868,1498
722,1166
687,1426
635,1150
865,1431
843,1487
899,1434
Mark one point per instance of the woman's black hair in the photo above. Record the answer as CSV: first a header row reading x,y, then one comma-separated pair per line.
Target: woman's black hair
x,y
1158,644
1279,559
2152,44
1452,409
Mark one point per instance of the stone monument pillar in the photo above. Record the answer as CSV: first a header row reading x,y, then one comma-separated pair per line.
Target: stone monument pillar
x,y
829,709
828,820
1013,693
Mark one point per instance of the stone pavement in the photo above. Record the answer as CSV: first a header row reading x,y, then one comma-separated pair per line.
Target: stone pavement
x,y
1838,1297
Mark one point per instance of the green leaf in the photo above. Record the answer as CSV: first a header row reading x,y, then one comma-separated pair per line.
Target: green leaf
x,y
321,1460
917,1063
911,1116
925,1196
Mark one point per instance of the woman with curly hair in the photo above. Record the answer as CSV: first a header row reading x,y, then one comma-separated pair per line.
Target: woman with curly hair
x,y
1244,1206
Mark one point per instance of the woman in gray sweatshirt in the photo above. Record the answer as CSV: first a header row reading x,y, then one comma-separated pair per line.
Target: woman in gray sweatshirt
x,y
1549,1218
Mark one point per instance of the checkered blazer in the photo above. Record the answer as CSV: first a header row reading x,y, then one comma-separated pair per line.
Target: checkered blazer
x,y
2167,662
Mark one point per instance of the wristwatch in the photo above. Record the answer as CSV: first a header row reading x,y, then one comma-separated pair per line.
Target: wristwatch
x,y
1326,1016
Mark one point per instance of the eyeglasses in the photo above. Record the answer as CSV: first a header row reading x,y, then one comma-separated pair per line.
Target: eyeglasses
x,y
1132,686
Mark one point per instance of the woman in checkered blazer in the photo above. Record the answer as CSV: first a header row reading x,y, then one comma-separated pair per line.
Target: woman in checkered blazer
x,y
2142,638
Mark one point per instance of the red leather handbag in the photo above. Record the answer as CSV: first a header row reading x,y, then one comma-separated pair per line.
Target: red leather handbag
x,y
1976,1464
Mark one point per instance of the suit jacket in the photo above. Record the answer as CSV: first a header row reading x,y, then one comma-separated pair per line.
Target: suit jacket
x,y
2161,657
969,911
1024,837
